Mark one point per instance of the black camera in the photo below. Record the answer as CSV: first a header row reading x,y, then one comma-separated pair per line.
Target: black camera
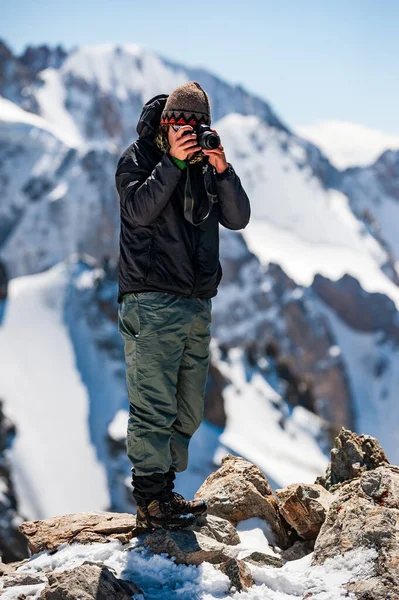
x,y
206,138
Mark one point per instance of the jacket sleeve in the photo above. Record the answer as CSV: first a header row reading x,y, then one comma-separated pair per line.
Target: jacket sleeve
x,y
144,193
235,209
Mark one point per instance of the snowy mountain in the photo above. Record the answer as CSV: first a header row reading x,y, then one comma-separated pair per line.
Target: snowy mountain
x,y
65,117
373,192
349,144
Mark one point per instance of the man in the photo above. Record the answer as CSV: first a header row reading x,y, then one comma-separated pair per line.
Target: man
x,y
173,195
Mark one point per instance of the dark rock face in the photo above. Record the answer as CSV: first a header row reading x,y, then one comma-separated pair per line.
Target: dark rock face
x,y
3,282
16,80
299,549
214,403
13,545
351,456
37,58
361,310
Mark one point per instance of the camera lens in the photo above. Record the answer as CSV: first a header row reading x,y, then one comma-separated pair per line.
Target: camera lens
x,y
209,140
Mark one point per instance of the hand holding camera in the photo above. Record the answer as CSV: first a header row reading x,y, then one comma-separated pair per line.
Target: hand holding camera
x,y
217,157
183,141
192,140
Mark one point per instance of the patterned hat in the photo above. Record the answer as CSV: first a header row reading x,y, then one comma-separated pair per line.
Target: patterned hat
x,y
188,104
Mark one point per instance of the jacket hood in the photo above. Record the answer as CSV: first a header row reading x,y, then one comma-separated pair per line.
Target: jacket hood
x,y
151,115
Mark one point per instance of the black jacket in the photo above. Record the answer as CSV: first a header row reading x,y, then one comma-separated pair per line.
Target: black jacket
x,y
160,250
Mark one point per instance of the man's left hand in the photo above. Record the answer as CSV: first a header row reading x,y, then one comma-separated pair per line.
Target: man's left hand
x,y
217,157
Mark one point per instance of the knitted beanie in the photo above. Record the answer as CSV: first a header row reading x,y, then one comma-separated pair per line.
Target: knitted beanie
x,y
188,104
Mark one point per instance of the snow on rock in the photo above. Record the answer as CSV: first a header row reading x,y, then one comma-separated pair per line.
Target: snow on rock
x,y
195,563
160,577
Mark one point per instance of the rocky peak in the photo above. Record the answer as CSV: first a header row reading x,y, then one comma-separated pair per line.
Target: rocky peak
x,y
356,521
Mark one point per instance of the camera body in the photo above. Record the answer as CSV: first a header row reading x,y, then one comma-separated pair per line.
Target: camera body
x,y
206,138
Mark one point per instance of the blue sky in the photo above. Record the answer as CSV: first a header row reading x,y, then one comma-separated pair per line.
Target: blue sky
x,y
314,60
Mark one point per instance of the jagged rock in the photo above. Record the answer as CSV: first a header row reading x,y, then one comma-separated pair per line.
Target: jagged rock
x,y
365,514
351,456
83,527
263,560
217,528
189,547
239,490
239,574
87,582
304,507
299,549
21,578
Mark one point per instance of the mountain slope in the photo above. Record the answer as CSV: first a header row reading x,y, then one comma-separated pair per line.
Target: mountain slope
x,y
57,168
349,144
54,464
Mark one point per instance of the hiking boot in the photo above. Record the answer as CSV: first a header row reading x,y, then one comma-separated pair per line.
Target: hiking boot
x,y
159,513
141,519
181,505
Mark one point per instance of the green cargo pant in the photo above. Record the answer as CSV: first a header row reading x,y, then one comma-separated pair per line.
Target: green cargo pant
x,y
167,352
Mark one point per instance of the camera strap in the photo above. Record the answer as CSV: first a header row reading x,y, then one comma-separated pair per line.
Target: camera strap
x,y
189,199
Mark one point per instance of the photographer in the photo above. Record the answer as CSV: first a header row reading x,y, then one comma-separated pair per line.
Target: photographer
x,y
175,187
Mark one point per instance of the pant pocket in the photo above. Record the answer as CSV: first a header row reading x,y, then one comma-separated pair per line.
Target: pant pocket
x,y
129,323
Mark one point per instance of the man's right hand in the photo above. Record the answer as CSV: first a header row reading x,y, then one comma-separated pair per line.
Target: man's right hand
x,y
182,145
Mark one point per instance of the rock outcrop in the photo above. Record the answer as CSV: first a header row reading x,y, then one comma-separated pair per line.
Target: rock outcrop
x,y
365,514
358,513
351,456
304,507
239,490
85,528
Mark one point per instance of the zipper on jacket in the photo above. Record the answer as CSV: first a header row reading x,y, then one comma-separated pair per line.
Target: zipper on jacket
x,y
149,261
